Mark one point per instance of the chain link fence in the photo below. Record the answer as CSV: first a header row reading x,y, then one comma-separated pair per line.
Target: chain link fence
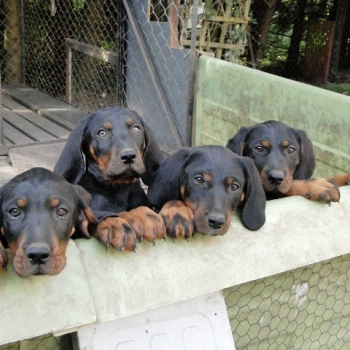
x,y
93,54
307,308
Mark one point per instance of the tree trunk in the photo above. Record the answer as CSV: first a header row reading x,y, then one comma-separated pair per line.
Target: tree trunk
x,y
342,11
12,43
297,35
263,12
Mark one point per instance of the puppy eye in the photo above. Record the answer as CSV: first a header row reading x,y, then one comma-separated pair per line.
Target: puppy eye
x,y
199,179
102,133
259,148
291,150
135,129
14,212
234,187
61,212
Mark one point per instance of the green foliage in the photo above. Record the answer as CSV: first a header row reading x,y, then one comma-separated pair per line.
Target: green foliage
x,y
339,88
78,4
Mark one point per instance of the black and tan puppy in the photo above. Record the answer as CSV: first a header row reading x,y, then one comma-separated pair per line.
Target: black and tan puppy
x,y
39,211
285,160
200,188
107,154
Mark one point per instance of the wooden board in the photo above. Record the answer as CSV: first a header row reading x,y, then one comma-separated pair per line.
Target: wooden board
x,y
26,127
34,118
54,109
14,136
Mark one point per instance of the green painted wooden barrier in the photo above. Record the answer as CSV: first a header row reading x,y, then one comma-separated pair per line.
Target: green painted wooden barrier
x,y
230,96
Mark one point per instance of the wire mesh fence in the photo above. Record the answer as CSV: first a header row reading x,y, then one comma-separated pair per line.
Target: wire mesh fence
x,y
124,53
307,308
47,26
153,73
45,342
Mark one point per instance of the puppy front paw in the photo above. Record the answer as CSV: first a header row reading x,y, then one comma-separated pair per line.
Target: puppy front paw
x,y
115,232
316,189
324,191
146,223
178,219
340,180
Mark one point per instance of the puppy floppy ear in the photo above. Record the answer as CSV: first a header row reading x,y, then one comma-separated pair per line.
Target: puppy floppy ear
x,y
165,184
152,156
71,163
85,214
237,143
306,165
254,203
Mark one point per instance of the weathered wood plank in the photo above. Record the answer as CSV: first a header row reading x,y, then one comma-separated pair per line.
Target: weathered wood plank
x,y
40,121
11,104
93,51
54,109
15,136
7,142
26,127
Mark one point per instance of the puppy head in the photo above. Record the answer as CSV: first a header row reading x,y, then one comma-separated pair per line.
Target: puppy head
x,y
39,211
212,181
280,153
114,145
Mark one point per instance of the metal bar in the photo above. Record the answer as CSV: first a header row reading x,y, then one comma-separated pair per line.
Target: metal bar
x,y
152,73
120,76
69,74
1,119
21,42
3,148
238,20
206,44
93,51
192,79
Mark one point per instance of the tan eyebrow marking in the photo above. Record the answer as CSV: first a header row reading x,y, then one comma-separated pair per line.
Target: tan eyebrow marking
x,y
107,125
265,143
129,121
285,143
54,202
22,202
229,180
206,177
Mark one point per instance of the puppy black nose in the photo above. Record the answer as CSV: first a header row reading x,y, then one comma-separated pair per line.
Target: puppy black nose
x,y
38,254
216,220
276,177
127,155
